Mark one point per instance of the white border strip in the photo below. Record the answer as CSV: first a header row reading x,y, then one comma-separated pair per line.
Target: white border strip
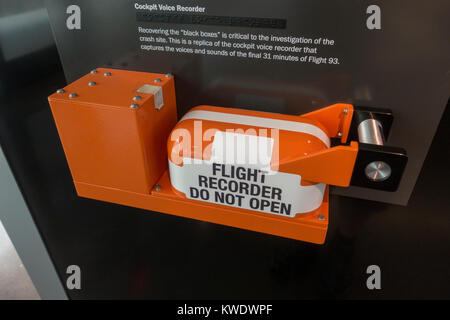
x,y
259,122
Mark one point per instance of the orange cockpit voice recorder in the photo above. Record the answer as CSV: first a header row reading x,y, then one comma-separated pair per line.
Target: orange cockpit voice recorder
x,y
260,171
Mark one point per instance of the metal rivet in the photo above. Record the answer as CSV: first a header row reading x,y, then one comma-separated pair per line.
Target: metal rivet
x,y
137,98
345,111
168,75
73,95
134,106
158,188
339,134
94,71
107,74
60,91
92,83
321,217
158,80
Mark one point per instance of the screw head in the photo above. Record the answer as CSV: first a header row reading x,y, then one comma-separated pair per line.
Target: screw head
x,y
134,106
339,134
378,171
94,71
345,111
92,83
158,80
168,75
137,98
60,91
73,95
107,74
321,217
158,188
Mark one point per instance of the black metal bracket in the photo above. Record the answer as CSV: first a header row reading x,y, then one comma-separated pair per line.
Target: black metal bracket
x,y
379,156
394,157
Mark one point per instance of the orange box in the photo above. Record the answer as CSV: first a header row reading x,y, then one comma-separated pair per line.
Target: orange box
x,y
107,141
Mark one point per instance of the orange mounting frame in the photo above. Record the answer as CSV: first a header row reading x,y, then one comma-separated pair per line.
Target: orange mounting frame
x,y
118,154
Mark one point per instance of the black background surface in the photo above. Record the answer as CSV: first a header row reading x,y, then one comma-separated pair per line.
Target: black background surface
x,y
403,66
129,253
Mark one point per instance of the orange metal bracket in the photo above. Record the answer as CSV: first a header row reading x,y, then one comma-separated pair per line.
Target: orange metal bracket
x,y
336,119
331,166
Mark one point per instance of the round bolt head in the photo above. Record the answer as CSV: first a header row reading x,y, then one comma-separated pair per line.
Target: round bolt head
x,y
158,188
92,83
345,111
94,71
168,75
73,95
339,134
321,217
107,74
137,98
134,106
378,171
158,80
60,91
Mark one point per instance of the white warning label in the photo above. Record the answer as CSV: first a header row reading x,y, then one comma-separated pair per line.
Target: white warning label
x,y
242,187
246,187
232,177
